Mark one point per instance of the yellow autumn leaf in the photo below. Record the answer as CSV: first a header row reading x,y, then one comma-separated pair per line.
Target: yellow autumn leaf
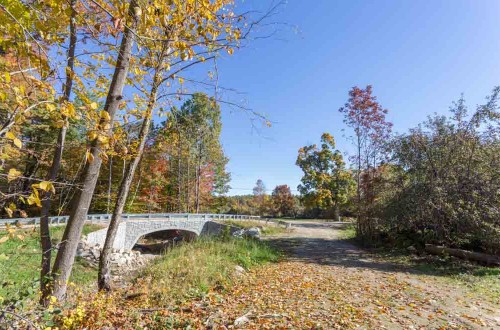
x,y
90,157
34,199
13,174
103,139
10,136
93,105
18,143
47,186
92,135
43,185
60,123
7,77
68,109
9,211
105,115
4,239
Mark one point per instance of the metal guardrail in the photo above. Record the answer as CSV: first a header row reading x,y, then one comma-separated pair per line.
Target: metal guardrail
x,y
103,218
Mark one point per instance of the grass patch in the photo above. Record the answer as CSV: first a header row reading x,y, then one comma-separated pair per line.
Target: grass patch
x,y
348,232
20,264
482,281
193,269
267,228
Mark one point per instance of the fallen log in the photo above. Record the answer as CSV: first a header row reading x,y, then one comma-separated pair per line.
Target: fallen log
x,y
483,258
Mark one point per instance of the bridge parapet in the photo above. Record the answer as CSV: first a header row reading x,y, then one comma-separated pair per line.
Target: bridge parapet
x,y
134,226
104,218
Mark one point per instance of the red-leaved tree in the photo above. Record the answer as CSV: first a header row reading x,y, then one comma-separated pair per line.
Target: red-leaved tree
x,y
367,118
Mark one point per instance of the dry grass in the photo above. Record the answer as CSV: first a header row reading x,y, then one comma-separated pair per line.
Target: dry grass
x,y
191,270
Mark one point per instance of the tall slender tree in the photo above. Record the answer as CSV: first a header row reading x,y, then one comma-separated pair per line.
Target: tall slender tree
x,y
56,161
81,202
367,118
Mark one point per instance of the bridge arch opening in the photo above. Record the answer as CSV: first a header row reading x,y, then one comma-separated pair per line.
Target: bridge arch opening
x,y
157,242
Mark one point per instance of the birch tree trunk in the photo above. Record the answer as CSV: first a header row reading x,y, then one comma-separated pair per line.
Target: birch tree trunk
x,y
81,201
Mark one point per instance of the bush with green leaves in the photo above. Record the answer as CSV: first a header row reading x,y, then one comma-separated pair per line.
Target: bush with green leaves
x,y
443,183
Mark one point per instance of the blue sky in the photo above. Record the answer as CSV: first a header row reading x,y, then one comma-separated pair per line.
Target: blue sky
x,y
418,55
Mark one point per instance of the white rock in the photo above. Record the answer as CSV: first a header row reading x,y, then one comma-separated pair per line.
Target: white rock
x,y
242,320
239,233
253,232
239,270
95,253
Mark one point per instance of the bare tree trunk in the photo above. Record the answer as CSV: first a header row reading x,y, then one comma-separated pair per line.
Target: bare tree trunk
x,y
198,179
336,212
81,201
45,242
124,164
197,192
132,201
358,191
179,185
110,177
188,196
104,276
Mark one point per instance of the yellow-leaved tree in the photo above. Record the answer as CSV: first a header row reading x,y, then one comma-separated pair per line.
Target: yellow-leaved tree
x,y
88,66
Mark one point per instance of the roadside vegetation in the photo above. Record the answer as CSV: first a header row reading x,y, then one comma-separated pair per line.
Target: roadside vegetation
x,y
189,271
163,295
192,270
20,265
481,280
348,232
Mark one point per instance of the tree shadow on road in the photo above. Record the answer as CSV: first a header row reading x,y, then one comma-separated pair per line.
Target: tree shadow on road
x,y
347,253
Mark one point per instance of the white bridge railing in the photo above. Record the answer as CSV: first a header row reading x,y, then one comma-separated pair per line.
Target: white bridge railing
x,y
103,218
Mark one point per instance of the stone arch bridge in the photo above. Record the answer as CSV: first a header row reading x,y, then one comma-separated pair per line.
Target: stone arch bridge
x,y
130,230
134,226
